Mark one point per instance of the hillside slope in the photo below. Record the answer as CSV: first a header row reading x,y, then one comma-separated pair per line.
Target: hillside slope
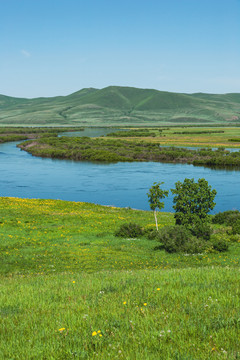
x,y
115,105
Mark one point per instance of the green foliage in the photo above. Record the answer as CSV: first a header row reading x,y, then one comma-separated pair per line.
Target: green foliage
x,y
151,234
234,238
12,137
236,227
177,239
114,150
155,195
22,133
193,201
201,230
129,230
230,218
233,217
234,140
220,245
226,217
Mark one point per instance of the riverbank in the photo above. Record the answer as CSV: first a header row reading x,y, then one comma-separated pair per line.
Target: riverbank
x,y
8,134
70,288
118,150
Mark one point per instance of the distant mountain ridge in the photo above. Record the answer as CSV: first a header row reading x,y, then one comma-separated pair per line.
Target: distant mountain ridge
x,y
116,105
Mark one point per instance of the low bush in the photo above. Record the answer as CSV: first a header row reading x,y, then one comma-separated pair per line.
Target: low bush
x,y
236,227
234,238
178,239
201,230
129,230
220,245
195,246
226,217
151,234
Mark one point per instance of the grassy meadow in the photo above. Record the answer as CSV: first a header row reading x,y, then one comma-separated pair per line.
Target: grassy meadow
x,y
198,136
71,290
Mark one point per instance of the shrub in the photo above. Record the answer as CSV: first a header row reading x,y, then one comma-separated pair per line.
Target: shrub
x,y
177,239
233,219
201,230
220,245
195,246
236,227
234,238
151,234
129,230
226,217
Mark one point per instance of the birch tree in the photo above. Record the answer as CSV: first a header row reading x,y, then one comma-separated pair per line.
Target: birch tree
x,y
155,195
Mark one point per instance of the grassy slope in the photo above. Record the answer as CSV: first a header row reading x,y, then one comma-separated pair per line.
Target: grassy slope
x,y
70,289
121,105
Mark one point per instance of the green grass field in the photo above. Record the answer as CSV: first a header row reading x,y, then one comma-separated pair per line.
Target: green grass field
x,y
199,136
71,290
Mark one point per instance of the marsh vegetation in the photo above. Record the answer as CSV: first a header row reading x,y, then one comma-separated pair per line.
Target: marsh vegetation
x,y
115,150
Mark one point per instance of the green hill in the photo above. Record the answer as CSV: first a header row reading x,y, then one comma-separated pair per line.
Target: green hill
x,y
115,105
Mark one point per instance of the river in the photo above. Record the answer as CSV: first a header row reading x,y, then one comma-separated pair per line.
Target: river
x,y
121,184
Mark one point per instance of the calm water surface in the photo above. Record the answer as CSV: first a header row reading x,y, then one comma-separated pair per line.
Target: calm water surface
x,y
121,184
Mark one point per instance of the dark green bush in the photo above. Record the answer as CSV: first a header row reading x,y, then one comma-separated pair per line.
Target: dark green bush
x,y
234,238
174,238
129,230
179,239
236,227
195,246
201,230
220,245
151,234
226,217
233,219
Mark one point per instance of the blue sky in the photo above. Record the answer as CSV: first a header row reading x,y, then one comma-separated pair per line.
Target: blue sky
x,y
56,47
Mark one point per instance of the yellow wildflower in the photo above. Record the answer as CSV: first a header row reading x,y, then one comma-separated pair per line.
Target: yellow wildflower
x,y
94,333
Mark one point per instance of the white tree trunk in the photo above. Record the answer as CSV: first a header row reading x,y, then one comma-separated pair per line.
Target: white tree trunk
x,y
155,215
